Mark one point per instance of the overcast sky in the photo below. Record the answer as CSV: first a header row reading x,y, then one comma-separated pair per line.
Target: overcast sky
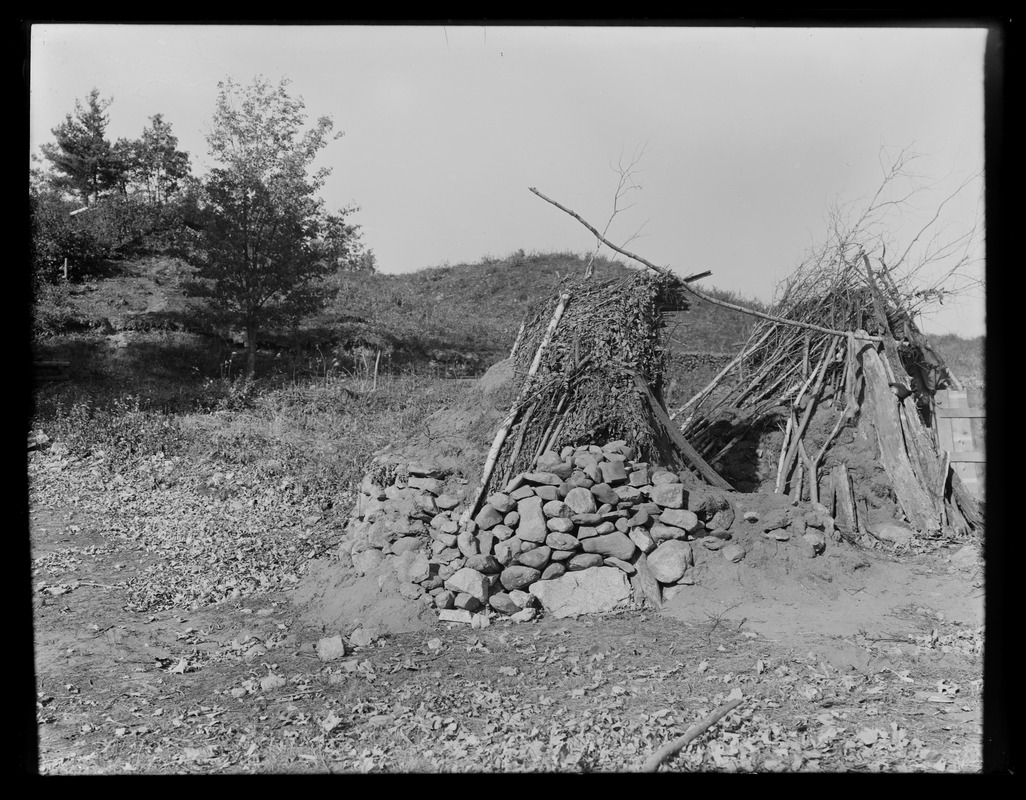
x,y
749,135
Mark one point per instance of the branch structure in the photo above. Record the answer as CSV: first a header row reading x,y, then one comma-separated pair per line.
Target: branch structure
x,y
688,279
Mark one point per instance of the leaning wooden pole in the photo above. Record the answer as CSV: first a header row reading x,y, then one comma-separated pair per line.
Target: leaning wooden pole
x,y
503,432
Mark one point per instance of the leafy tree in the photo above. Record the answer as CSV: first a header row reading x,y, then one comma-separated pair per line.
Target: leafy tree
x,y
341,247
263,214
154,162
86,162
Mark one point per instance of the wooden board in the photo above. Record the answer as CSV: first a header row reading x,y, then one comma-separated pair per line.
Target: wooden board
x,y
955,435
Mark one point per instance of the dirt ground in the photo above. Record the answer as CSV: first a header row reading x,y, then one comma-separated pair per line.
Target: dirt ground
x,y
858,660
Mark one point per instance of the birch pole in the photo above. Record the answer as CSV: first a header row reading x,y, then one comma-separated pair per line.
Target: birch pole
x,y
503,432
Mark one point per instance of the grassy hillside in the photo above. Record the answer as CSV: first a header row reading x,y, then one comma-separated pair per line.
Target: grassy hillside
x,y
138,329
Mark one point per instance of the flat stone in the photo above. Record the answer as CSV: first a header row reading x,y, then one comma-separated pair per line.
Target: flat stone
x,y
816,539
670,560
562,555
557,508
535,558
722,519
775,519
488,517
641,538
640,518
367,560
542,479
446,502
585,561
503,503
560,525
445,599
620,564
680,518
467,602
587,519
646,582
430,485
422,470
780,535
615,544
521,493
586,532
411,566
444,523
486,543
638,477
562,541
733,553
485,564
426,503
712,543
547,493
627,493
605,527
612,472
470,581
662,533
553,570
579,478
662,478
590,591
505,552
668,495
501,532
890,532
503,603
523,599
524,615
517,577
467,543
552,463
581,501
532,520
455,615
604,493
331,648
400,546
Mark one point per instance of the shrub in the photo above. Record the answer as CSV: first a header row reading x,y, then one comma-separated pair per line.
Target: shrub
x,y
122,432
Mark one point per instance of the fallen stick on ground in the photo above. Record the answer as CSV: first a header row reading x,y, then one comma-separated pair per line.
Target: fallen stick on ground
x,y
674,747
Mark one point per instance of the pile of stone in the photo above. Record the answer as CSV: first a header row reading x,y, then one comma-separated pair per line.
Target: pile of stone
x,y
587,530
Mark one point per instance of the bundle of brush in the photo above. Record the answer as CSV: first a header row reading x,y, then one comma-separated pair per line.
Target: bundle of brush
x,y
585,383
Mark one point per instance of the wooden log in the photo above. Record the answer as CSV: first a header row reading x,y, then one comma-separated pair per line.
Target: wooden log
x,y
917,501
674,747
682,444
845,513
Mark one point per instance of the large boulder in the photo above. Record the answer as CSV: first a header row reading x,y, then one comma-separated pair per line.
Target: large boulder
x,y
590,591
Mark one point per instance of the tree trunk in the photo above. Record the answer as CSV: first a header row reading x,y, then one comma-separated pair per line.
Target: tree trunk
x,y
251,346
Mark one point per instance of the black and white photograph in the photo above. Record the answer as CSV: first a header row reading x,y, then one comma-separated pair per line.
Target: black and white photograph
x,y
508,397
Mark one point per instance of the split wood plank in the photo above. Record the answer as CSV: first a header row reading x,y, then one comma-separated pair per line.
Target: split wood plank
x,y
915,500
955,435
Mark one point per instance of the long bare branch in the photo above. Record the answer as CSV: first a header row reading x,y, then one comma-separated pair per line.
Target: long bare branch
x,y
701,295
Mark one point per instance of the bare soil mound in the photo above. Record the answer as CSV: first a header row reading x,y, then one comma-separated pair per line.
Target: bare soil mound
x,y
778,589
